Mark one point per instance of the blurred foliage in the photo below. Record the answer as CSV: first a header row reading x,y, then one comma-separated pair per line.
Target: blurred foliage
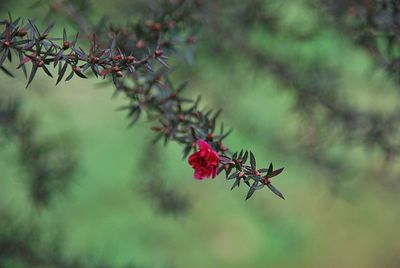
x,y
296,83
167,199
49,162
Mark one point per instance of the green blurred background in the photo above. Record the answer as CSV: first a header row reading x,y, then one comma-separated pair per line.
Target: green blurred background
x,y
338,217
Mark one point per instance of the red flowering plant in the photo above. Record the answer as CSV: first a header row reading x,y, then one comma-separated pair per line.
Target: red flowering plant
x,y
135,73
204,162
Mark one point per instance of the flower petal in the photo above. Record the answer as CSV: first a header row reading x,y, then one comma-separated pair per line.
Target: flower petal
x,y
203,145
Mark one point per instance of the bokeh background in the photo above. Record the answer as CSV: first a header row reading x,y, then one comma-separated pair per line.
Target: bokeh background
x,y
274,67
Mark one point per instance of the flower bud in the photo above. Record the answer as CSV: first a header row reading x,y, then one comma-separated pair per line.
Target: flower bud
x,y
156,27
130,59
117,57
158,53
139,44
95,60
181,117
21,32
66,45
76,69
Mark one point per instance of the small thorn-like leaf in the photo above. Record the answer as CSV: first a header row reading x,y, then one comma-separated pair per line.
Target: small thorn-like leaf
x,y
275,173
7,72
252,161
233,175
240,154
227,133
135,117
21,58
255,177
69,77
237,165
4,56
47,71
270,168
186,152
80,74
244,159
48,29
33,73
181,87
65,37
75,40
275,191
61,73
250,193
163,62
236,184
34,28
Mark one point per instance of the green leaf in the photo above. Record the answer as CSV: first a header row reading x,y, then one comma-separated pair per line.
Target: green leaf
x,y
62,72
21,42
237,165
270,168
234,155
157,138
7,72
81,75
135,117
228,171
187,150
233,175
69,77
65,37
240,154
275,173
255,177
236,184
181,87
4,56
250,193
244,159
193,132
246,178
48,29
47,71
33,73
34,28
252,161
258,186
275,191
227,133
21,57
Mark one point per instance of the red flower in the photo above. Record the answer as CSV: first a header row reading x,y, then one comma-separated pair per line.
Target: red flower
x,y
204,162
